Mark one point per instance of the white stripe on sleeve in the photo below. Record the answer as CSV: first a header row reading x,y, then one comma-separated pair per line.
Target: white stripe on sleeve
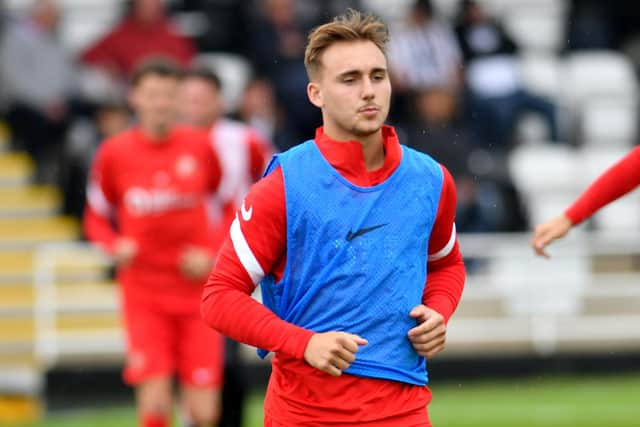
x,y
245,255
447,248
98,201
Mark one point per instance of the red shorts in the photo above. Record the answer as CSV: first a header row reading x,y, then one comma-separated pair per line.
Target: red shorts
x,y
161,343
269,422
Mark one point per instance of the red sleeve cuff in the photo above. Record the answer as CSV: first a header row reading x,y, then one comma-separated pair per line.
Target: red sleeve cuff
x,y
573,216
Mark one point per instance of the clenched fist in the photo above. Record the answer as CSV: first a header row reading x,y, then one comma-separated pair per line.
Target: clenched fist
x,y
428,338
332,352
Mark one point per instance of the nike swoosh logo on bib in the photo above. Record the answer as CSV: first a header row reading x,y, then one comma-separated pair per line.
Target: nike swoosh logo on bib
x,y
352,235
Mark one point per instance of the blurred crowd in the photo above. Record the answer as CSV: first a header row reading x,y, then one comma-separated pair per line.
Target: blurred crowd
x,y
457,92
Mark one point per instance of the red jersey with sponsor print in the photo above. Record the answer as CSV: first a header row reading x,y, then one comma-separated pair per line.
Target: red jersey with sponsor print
x,y
154,192
257,245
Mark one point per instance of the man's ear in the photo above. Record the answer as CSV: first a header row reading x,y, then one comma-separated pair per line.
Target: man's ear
x,y
314,94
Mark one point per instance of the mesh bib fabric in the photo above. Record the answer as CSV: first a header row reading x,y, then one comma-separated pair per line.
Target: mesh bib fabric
x,y
356,256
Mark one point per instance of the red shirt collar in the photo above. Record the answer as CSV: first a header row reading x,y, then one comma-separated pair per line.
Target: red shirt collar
x,y
347,158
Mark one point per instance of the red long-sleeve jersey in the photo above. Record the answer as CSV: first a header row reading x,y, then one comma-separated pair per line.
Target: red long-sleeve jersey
x,y
154,192
300,394
614,183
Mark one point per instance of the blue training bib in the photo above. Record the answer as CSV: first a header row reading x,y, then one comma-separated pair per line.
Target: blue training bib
x,y
356,256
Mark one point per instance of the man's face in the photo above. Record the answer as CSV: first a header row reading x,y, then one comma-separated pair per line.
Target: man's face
x,y
148,11
200,103
47,15
154,101
353,89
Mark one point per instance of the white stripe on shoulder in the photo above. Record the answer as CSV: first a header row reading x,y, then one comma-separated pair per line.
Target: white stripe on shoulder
x,y
98,201
245,255
447,248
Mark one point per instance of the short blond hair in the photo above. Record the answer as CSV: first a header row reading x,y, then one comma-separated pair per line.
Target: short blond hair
x,y
352,26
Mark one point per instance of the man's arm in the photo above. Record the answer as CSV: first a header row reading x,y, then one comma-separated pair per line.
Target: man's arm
x,y
445,277
100,211
614,183
98,221
255,244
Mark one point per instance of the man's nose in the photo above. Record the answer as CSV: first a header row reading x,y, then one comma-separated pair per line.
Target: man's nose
x,y
367,89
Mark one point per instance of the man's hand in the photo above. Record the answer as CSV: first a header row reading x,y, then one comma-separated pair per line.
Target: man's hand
x,y
546,233
124,250
196,263
428,338
332,352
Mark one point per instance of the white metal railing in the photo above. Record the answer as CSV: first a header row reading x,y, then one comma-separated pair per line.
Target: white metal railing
x,y
531,305
55,262
546,302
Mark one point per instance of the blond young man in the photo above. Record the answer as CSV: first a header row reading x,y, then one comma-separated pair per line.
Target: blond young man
x,y
352,237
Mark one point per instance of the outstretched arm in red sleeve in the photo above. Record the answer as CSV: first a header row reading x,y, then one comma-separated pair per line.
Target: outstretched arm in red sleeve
x,y
614,183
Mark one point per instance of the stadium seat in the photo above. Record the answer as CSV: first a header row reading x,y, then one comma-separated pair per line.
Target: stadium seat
x,y
535,30
32,200
541,74
234,72
545,175
544,167
608,124
391,12
500,8
27,232
15,169
84,21
600,75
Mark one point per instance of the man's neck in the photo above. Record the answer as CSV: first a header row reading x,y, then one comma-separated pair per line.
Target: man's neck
x,y
373,153
372,146
155,133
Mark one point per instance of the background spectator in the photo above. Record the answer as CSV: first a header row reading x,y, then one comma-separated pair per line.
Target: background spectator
x,y
485,195
145,31
496,95
277,46
39,83
259,109
424,53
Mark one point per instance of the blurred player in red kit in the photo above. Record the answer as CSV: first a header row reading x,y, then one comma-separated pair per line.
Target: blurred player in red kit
x,y
243,155
352,237
614,183
242,152
146,206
